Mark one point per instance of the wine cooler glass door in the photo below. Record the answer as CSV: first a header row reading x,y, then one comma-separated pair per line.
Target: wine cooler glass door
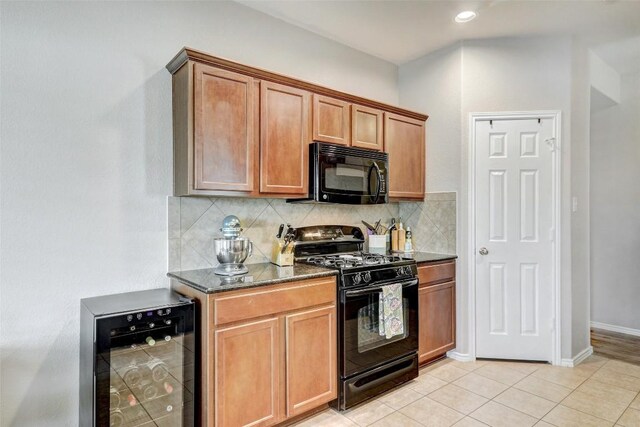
x,y
144,373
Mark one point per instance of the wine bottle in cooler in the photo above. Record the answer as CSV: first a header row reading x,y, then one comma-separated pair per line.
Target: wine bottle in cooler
x,y
159,369
116,418
132,375
114,398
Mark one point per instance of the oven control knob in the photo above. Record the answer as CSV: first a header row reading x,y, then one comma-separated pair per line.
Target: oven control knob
x,y
367,276
357,278
399,271
407,270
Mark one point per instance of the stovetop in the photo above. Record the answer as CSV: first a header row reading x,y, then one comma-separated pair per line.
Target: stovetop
x,y
366,269
352,260
340,247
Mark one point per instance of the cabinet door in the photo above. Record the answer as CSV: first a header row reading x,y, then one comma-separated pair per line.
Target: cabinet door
x,y
224,145
247,388
284,139
437,320
331,121
311,359
366,128
404,141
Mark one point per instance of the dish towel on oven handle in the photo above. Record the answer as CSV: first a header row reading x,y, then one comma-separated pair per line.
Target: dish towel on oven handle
x,y
390,311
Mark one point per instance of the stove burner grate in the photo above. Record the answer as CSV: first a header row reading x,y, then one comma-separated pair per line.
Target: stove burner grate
x,y
352,260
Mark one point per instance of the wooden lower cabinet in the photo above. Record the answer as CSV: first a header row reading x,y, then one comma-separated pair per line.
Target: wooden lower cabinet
x,y
267,354
247,365
311,356
437,308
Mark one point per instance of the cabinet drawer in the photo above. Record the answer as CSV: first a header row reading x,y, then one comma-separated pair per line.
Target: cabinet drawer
x,y
435,273
268,300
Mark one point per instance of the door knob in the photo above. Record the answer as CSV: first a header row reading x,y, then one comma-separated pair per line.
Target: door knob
x,y
483,251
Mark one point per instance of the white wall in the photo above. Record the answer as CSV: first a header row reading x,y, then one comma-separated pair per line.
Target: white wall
x,y
604,78
509,74
615,209
433,84
520,74
86,162
580,233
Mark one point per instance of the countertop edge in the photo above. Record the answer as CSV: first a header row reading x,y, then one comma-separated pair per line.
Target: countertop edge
x,y
256,284
430,257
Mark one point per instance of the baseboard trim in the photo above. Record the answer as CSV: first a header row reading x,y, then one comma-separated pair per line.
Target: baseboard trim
x,y
570,363
460,357
615,328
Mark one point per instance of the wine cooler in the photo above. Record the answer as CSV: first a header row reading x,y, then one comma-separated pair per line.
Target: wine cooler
x,y
137,358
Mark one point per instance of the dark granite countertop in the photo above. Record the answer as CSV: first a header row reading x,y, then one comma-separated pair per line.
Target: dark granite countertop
x,y
207,281
428,256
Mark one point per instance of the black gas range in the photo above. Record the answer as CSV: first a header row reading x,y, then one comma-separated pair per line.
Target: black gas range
x,y
370,361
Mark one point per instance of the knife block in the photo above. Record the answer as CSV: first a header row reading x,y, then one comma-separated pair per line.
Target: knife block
x,y
280,258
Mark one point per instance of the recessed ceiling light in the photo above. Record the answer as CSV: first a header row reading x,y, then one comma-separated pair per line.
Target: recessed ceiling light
x,y
465,16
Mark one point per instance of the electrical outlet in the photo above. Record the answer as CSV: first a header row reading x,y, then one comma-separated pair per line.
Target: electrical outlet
x,y
574,204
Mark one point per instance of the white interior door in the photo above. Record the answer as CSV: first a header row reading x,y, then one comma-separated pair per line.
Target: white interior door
x,y
514,238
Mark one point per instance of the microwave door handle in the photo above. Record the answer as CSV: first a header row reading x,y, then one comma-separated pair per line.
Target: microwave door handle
x,y
405,285
375,166
379,182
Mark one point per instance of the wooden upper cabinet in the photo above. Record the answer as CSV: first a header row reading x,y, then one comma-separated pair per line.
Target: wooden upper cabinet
x,y
404,140
284,139
244,131
366,128
331,120
224,148
248,361
311,359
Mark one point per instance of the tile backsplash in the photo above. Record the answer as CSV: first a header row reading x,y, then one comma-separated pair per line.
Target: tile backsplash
x,y
195,221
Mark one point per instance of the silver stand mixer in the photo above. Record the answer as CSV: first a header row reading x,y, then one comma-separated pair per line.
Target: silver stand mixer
x,y
232,250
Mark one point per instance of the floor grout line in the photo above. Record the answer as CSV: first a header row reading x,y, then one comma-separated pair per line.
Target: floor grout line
x,y
532,373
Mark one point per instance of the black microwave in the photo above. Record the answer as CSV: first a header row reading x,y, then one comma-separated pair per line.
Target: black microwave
x,y
346,175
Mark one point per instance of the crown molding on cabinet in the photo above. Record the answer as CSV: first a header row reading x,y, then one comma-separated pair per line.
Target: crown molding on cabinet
x,y
188,54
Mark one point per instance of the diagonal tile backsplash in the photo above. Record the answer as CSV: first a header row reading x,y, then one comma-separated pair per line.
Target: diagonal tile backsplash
x,y
193,222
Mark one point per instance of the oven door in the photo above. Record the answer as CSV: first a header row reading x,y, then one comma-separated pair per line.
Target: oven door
x,y
362,345
352,178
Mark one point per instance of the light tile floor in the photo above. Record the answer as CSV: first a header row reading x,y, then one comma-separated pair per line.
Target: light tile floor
x,y
598,392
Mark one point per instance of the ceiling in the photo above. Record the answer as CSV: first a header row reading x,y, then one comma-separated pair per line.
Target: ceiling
x,y
399,31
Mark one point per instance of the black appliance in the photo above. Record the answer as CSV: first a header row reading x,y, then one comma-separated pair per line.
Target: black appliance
x,y
369,363
346,175
137,353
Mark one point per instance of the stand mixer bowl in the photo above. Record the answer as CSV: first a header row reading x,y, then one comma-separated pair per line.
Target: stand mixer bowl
x,y
232,251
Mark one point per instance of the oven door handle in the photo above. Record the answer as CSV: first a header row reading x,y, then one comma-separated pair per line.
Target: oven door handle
x,y
406,284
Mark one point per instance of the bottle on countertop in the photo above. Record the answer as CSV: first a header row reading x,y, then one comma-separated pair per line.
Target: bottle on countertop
x,y
401,236
408,244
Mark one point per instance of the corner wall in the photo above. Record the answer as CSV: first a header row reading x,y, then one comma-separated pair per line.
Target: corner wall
x,y
580,231
508,74
615,209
